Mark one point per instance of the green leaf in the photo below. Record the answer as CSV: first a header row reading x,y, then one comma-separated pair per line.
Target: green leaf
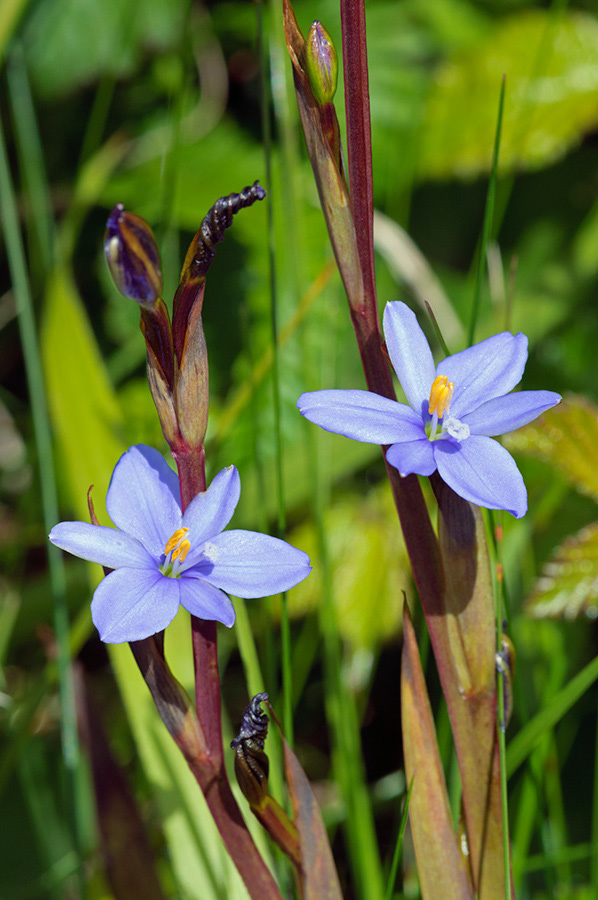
x,y
95,37
566,437
369,568
84,410
441,866
568,585
551,96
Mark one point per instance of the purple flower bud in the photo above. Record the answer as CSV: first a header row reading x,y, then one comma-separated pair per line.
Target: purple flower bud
x,y
132,256
321,63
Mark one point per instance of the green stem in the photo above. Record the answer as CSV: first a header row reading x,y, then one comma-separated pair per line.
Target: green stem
x,y
287,680
49,499
488,219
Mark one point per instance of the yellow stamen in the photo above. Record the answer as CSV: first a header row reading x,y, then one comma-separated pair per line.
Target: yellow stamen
x,y
181,551
174,540
440,396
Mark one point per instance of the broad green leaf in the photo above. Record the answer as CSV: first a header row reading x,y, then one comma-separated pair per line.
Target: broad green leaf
x,y
95,38
442,868
84,410
551,96
568,585
567,438
369,566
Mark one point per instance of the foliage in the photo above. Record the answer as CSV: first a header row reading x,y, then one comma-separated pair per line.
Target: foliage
x,y
159,107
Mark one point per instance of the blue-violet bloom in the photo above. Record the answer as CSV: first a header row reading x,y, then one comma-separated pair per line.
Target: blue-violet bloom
x,y
454,410
163,558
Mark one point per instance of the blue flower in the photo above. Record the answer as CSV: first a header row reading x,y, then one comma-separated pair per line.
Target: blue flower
x,y
454,410
163,558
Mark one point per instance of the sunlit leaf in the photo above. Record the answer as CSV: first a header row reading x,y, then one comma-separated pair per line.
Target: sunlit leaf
x,y
84,410
551,96
567,438
442,868
369,567
95,38
568,585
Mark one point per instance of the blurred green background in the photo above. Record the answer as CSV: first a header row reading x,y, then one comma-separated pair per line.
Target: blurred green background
x,y
166,106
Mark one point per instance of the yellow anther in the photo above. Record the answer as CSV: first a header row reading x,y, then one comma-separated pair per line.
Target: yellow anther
x,y
440,396
174,540
181,551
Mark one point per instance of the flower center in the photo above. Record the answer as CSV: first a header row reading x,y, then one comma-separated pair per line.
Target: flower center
x,y
440,396
439,406
180,548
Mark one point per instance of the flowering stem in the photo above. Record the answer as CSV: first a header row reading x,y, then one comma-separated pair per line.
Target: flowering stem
x,y
212,778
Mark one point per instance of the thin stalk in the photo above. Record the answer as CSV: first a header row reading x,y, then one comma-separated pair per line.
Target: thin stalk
x,y
392,876
287,680
213,779
49,499
488,219
502,711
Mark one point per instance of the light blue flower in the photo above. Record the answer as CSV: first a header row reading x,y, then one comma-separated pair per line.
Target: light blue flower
x,y
454,410
163,558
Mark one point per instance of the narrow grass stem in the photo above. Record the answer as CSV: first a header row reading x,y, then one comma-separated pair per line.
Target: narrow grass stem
x,y
49,500
488,220
287,675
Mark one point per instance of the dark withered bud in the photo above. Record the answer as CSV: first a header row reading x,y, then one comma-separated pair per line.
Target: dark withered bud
x,y
321,63
505,664
251,763
132,256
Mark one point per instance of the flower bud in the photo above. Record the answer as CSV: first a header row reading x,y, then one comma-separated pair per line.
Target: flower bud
x,y
251,762
321,63
132,256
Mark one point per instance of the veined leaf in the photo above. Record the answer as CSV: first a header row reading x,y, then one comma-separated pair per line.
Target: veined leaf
x,y
369,568
566,437
568,585
551,96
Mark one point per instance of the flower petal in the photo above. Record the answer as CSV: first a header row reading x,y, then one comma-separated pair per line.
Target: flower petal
x,y
412,457
360,415
248,564
206,601
487,370
482,471
211,511
409,353
504,414
130,604
143,498
96,543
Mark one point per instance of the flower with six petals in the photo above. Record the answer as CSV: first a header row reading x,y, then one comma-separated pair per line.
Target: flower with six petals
x,y
162,558
454,411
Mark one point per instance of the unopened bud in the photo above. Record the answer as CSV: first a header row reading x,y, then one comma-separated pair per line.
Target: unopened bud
x,y
321,63
132,256
251,762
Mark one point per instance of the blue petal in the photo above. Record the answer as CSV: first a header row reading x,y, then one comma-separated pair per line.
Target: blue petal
x,y
143,498
106,546
487,370
409,353
130,604
211,511
205,601
412,457
360,415
483,472
248,564
504,414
